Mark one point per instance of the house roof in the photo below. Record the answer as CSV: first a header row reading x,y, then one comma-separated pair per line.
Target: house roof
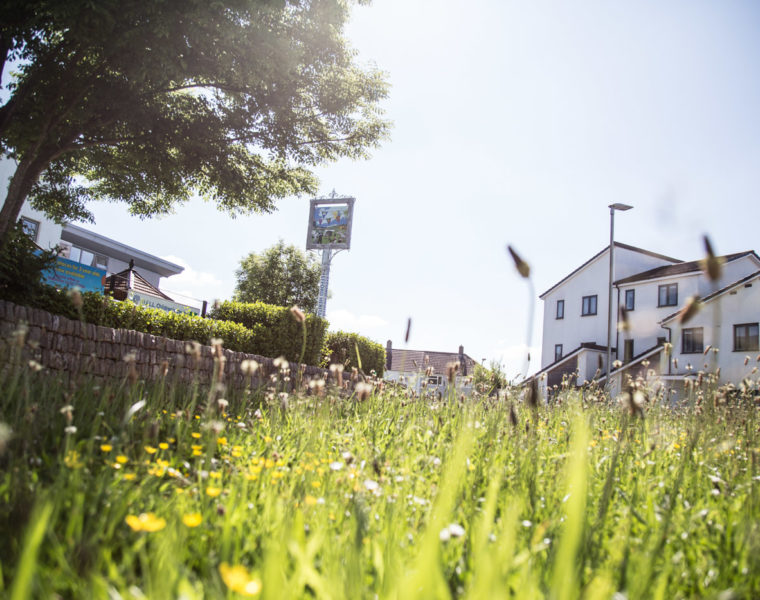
x,y
602,251
121,285
679,269
583,346
717,293
99,243
418,360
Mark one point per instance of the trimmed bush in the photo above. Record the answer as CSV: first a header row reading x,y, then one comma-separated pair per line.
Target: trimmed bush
x,y
340,347
254,328
105,311
277,333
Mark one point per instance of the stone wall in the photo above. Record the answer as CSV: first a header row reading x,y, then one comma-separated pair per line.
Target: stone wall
x,y
74,348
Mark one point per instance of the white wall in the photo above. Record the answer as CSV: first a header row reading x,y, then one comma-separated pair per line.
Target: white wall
x,y
718,318
645,318
593,279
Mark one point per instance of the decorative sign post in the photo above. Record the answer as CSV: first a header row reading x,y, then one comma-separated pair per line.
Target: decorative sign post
x,y
330,220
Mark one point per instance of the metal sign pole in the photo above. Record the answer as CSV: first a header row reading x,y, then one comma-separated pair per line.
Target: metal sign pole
x,y
324,281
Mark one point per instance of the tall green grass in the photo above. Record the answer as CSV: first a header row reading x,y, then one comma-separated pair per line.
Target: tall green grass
x,y
300,495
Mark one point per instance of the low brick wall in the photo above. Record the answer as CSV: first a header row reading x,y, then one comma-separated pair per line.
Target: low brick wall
x,y
75,348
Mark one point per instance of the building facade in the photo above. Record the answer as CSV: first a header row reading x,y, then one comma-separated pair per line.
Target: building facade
x,y
649,292
85,246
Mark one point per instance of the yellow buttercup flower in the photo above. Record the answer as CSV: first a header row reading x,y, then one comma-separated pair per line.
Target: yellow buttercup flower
x,y
239,580
150,449
192,519
122,460
130,476
213,491
71,460
106,447
146,522
196,435
163,446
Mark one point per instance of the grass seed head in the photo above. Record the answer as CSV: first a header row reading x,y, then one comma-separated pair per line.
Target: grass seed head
x,y
711,265
249,367
297,314
363,390
693,305
624,324
452,369
522,267
532,395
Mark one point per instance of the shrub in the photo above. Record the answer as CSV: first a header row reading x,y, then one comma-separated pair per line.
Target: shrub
x,y
21,267
255,328
341,347
277,333
103,310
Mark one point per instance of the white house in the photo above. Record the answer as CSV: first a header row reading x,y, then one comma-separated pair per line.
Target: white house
x,y
652,289
84,246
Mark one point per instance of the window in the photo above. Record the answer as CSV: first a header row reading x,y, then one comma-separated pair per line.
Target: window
x,y
31,227
560,309
693,340
557,352
86,257
630,299
745,337
667,295
627,351
589,306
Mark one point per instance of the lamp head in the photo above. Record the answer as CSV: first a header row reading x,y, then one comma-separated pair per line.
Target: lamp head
x,y
619,206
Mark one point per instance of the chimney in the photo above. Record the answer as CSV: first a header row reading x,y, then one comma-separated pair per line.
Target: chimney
x,y
462,363
388,352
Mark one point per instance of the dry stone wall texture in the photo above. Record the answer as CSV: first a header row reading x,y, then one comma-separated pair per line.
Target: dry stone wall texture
x,y
74,348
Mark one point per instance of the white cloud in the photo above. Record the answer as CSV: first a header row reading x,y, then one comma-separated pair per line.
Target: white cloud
x,y
345,320
191,283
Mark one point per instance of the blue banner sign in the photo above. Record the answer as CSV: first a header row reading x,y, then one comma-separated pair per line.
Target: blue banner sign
x,y
69,273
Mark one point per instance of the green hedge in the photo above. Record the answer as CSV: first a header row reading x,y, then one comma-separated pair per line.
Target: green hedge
x,y
277,333
105,311
102,310
255,328
340,347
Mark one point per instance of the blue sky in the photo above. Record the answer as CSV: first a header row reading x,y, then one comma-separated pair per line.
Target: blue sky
x,y
514,122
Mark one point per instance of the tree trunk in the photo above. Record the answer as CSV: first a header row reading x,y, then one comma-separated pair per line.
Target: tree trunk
x,y
27,173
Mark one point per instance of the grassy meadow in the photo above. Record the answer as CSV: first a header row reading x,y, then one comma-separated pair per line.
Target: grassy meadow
x,y
128,490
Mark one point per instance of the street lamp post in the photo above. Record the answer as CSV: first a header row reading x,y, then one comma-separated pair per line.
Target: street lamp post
x,y
613,208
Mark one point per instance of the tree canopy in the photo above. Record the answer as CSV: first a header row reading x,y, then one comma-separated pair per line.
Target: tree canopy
x,y
151,102
281,275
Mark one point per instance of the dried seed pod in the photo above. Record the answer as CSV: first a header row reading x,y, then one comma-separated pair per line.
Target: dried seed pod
x,y
712,265
690,310
522,267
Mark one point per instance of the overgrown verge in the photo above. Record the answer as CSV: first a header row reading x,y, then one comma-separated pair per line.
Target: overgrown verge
x,y
162,491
